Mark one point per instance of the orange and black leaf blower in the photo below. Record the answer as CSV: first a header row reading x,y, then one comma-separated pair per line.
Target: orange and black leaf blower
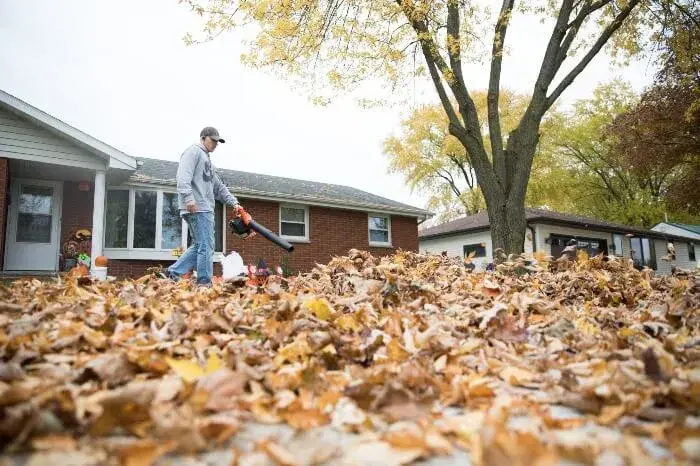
x,y
243,225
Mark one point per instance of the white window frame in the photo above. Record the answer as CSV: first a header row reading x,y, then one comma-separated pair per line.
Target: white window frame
x,y
157,253
307,233
369,225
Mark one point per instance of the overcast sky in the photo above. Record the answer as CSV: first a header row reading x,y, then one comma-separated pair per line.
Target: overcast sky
x,y
119,71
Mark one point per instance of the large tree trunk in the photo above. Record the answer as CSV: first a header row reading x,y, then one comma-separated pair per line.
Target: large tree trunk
x,y
507,210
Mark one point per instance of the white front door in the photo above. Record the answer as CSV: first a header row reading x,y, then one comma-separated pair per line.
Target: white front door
x,y
33,225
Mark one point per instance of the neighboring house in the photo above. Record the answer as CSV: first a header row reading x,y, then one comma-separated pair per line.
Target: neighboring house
x,y
549,232
690,232
51,176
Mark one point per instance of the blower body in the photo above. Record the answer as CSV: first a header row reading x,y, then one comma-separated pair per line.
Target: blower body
x,y
243,224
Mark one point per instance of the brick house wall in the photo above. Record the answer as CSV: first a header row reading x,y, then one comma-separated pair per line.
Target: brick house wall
x,y
76,211
332,232
4,204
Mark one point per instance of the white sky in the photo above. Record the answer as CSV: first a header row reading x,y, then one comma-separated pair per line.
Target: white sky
x,y
119,71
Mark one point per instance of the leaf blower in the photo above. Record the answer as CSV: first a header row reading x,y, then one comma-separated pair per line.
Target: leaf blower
x,y
244,226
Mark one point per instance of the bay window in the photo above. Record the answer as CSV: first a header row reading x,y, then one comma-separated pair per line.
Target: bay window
x,y
142,223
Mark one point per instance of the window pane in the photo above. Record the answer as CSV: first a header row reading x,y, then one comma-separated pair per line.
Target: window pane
x,y
617,241
145,219
293,229
649,253
478,249
218,227
172,224
691,251
636,244
378,236
378,223
34,217
290,214
117,219
36,200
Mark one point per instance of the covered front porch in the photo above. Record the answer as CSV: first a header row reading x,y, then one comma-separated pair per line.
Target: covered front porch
x,y
45,206
51,177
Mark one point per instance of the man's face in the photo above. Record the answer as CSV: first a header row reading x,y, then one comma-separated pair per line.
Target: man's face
x,y
210,144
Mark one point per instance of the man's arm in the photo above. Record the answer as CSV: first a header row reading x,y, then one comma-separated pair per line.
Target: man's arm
x,y
222,193
185,172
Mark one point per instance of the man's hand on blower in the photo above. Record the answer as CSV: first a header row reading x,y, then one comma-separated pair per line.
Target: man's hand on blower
x,y
245,216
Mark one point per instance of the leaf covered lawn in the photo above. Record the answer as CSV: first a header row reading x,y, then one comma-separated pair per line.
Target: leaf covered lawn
x,y
588,362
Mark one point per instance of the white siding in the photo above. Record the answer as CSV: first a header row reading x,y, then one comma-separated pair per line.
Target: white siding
x,y
674,230
21,139
454,245
682,261
542,231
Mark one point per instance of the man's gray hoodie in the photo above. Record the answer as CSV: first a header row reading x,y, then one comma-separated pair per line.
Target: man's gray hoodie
x,y
197,181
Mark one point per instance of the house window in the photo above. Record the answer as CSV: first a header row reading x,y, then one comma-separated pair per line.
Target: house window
x,y
294,222
643,253
379,230
479,250
691,252
171,223
143,223
617,245
145,205
117,218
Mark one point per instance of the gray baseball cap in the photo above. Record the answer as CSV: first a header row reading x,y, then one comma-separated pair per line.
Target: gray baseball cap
x,y
212,133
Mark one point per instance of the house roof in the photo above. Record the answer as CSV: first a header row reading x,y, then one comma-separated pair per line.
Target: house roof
x,y
691,228
56,126
480,221
278,188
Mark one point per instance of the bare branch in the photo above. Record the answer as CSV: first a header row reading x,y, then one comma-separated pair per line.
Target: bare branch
x,y
453,46
573,27
499,163
607,33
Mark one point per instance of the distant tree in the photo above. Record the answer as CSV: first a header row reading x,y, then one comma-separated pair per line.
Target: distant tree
x,y
631,159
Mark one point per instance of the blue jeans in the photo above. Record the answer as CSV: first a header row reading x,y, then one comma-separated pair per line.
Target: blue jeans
x,y
200,255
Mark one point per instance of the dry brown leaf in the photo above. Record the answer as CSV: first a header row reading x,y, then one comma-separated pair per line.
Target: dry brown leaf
x,y
279,454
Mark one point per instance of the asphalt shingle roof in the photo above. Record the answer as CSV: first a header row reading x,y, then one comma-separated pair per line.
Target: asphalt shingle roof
x,y
245,184
480,221
692,228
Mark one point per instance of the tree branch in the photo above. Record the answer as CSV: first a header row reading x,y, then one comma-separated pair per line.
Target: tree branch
x,y
499,162
607,33
549,65
468,132
454,47
574,27
451,182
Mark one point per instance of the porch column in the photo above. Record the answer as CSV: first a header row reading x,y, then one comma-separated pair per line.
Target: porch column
x,y
98,216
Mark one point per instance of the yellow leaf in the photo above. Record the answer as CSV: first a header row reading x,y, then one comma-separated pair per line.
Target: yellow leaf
x,y
584,326
395,351
320,308
214,363
191,371
347,322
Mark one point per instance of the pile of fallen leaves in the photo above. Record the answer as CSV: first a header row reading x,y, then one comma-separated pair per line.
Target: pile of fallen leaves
x,y
403,358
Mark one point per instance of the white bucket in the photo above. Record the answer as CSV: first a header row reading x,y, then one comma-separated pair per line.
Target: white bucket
x,y
99,273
